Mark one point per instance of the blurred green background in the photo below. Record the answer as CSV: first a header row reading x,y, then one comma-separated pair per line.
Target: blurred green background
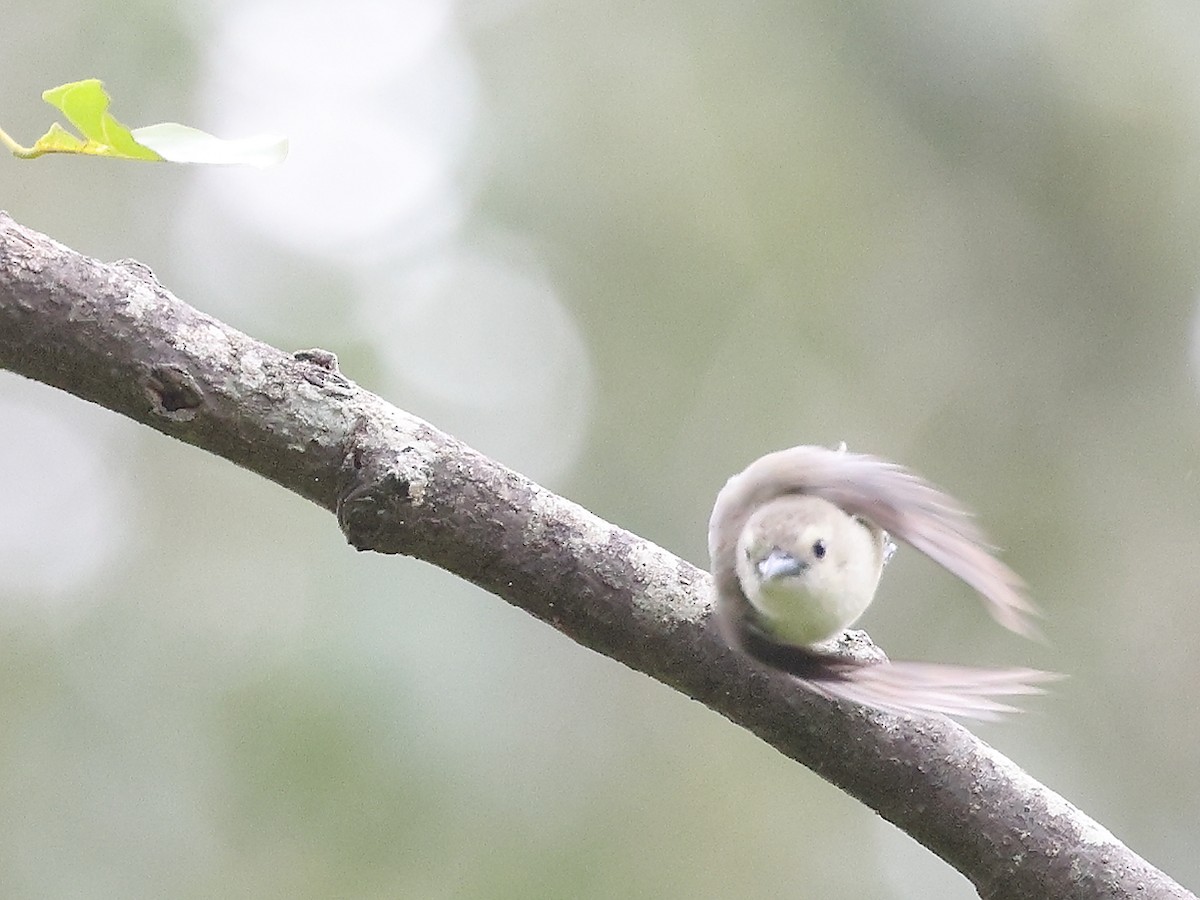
x,y
625,248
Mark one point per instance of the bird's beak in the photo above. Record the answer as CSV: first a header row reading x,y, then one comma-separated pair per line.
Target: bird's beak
x,y
779,564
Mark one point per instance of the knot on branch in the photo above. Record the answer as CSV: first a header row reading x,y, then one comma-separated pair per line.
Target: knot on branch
x,y
174,393
383,499
370,512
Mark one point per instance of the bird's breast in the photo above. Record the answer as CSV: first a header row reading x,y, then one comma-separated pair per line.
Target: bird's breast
x,y
802,614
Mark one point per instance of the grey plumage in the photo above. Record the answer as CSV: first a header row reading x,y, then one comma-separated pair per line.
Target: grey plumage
x,y
767,509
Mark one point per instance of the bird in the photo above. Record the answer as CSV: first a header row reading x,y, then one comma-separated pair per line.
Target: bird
x,y
798,541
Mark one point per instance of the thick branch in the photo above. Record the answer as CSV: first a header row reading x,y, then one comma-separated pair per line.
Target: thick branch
x,y
111,334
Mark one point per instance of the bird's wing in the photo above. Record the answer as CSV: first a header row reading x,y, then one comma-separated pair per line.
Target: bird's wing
x,y
909,508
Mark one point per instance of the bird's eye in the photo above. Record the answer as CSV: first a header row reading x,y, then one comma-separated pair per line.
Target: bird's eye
x,y
819,549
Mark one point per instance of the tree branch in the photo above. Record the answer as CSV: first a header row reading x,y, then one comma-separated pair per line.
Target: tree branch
x,y
111,334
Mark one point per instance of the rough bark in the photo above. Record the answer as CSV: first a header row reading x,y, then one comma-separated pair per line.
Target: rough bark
x,y
111,334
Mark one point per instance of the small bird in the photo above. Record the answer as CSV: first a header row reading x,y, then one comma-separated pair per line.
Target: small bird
x,y
798,542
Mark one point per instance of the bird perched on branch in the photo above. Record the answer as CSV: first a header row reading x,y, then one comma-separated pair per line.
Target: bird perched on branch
x,y
798,541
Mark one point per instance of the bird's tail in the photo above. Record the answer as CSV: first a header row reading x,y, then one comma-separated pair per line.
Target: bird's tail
x,y
925,688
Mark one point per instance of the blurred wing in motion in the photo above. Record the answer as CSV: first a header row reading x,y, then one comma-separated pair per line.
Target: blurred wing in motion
x,y
909,509
898,501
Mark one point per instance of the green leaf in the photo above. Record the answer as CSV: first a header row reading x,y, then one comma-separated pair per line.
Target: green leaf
x,y
85,104
59,140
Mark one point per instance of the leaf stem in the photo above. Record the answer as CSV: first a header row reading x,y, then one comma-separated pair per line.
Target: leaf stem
x,y
16,149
